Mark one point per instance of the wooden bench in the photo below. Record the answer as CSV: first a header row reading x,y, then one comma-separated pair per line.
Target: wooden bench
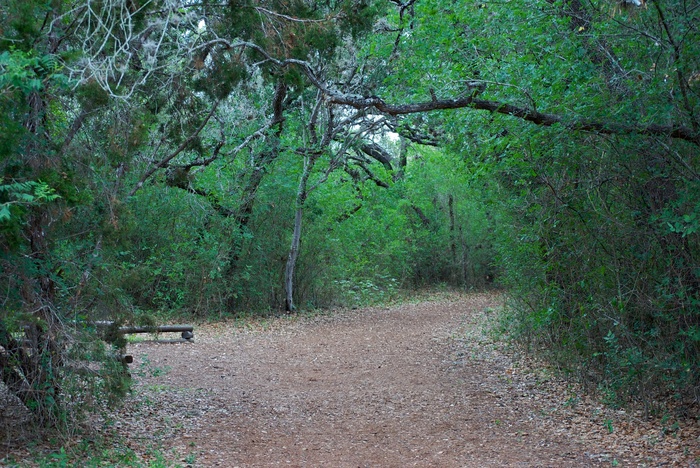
x,y
186,333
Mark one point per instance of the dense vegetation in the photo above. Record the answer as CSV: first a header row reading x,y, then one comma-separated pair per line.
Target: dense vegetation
x,y
167,158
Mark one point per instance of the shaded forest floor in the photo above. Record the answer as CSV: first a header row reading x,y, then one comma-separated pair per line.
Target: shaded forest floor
x,y
412,385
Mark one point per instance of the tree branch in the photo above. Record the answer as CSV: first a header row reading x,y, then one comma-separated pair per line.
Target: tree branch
x,y
538,118
369,173
75,127
375,151
164,162
289,18
425,221
215,155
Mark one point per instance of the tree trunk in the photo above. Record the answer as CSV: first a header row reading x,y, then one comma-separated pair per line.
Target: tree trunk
x,y
296,235
291,262
453,241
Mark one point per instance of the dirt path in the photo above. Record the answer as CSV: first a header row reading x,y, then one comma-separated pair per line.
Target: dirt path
x,y
382,388
411,385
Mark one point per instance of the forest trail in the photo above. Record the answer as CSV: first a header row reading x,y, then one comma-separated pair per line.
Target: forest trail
x,y
387,387
410,385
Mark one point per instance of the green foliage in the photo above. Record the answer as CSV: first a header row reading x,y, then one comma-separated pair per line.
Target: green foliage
x,y
604,273
168,260
22,22
96,451
22,71
91,96
359,15
28,72
19,195
364,292
16,199
597,238
225,74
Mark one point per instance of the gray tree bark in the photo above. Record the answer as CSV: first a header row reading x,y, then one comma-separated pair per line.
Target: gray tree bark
x,y
302,193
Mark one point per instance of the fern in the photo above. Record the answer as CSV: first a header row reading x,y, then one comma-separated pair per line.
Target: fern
x,y
29,193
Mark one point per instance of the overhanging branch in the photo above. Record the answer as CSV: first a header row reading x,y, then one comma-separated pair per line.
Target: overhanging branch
x,y
529,115
375,151
539,118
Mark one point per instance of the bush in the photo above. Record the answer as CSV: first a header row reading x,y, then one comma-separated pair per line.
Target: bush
x,y
603,267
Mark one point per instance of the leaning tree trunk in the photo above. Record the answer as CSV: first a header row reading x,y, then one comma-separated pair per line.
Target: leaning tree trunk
x,y
296,235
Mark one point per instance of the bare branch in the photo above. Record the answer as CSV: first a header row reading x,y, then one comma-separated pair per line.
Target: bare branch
x,y
289,18
120,51
257,134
